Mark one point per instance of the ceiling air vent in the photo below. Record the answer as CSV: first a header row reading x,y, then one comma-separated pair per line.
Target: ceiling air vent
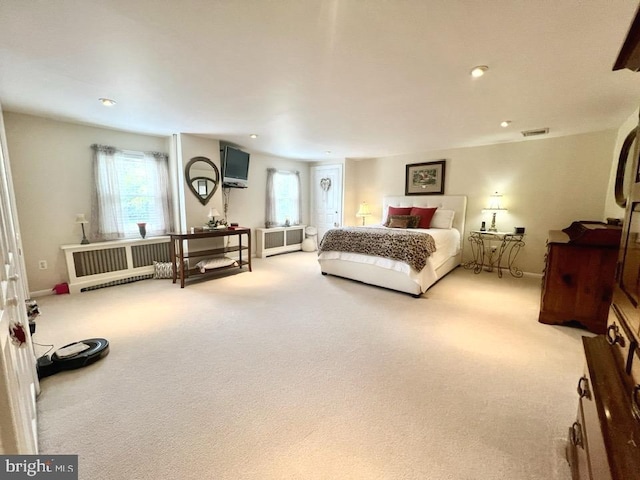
x,y
533,133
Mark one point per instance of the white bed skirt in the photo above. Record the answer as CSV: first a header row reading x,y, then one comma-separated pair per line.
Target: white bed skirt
x,y
414,283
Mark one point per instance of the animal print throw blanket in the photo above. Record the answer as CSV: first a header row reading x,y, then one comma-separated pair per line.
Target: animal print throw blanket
x,y
412,248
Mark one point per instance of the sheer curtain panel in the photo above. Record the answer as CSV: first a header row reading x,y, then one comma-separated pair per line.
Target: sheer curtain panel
x,y
129,187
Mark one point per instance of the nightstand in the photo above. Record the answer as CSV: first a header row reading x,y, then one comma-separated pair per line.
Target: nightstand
x,y
495,250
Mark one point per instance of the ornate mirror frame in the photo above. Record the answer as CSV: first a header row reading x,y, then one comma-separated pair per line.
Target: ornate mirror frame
x,y
202,193
623,160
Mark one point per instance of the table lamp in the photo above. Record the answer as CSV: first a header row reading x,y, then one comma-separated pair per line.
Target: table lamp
x,y
493,208
81,220
213,213
363,211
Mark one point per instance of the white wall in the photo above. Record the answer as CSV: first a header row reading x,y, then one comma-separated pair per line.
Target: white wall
x,y
52,173
246,205
546,183
198,146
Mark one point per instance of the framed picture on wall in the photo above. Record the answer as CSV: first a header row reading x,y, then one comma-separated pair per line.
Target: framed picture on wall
x,y
425,178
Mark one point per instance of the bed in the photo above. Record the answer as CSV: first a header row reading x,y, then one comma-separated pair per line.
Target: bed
x,y
399,275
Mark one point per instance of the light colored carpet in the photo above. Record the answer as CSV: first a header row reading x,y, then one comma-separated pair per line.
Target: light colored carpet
x,y
287,374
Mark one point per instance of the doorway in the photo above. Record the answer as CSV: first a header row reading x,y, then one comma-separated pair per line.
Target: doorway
x,y
326,197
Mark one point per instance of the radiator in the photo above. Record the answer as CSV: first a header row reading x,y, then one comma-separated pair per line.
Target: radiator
x,y
103,264
272,241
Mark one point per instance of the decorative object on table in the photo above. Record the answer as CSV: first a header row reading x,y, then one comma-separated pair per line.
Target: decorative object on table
x,y
213,213
202,177
82,220
518,230
142,228
425,178
493,208
363,211
483,227
213,223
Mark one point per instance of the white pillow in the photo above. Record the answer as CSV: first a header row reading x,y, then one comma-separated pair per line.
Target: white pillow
x,y
210,263
443,219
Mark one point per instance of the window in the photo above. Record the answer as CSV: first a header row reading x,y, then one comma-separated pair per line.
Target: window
x,y
283,198
130,187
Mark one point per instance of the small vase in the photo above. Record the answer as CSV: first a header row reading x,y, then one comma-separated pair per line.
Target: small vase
x,y
142,227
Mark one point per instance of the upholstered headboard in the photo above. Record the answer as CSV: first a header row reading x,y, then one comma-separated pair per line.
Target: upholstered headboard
x,y
457,203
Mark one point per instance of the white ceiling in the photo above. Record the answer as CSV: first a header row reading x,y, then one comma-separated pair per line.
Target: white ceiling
x,y
359,78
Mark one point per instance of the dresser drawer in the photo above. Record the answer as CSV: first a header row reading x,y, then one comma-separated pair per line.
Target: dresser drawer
x,y
619,336
577,449
592,432
610,430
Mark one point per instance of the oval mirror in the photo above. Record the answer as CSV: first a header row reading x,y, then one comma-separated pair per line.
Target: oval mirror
x,y
624,176
202,177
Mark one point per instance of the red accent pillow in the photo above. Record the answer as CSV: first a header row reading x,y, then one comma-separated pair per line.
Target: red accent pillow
x,y
426,214
399,211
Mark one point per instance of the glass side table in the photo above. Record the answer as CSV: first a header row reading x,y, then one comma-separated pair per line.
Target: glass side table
x,y
495,250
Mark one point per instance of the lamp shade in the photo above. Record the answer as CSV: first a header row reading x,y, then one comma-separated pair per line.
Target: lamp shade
x,y
364,210
213,213
80,218
495,203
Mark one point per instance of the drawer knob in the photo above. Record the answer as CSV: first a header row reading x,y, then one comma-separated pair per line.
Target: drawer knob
x,y
583,388
613,334
576,434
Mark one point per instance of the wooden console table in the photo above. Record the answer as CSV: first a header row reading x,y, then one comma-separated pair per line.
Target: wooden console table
x,y
178,254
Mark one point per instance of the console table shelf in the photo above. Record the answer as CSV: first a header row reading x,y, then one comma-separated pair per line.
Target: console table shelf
x,y
179,254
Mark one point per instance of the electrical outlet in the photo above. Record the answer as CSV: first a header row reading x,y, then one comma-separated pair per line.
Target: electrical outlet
x,y
42,265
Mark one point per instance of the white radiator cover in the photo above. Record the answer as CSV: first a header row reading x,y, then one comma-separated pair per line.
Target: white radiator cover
x,y
272,241
104,263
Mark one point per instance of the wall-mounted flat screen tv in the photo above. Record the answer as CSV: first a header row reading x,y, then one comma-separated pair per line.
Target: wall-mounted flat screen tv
x,y
235,168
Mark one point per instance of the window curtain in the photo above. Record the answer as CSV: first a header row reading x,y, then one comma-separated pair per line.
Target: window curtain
x,y
109,219
163,187
270,213
296,218
283,198
106,215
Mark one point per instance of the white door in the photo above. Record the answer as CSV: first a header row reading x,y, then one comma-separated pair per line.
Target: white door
x,y
326,197
18,378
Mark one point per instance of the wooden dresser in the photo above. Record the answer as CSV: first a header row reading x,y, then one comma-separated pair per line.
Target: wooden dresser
x,y
604,441
577,285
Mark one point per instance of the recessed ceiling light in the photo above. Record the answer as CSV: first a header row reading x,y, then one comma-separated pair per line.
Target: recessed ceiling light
x,y
505,124
107,102
478,71
253,135
328,152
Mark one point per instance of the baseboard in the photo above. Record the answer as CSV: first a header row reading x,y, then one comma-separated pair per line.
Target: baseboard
x,y
40,293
